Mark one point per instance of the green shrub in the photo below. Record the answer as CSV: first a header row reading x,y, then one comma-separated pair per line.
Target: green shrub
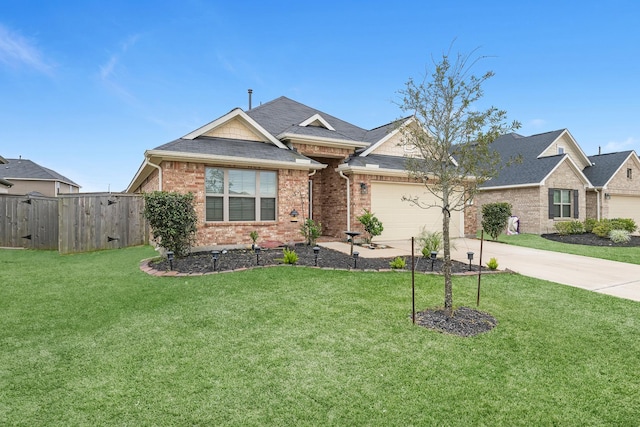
x,y
311,230
289,256
371,224
589,223
492,264
602,229
619,236
627,224
569,227
172,219
398,263
495,217
429,241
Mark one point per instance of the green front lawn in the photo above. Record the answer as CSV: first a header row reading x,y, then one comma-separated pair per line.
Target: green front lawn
x,y
89,339
628,255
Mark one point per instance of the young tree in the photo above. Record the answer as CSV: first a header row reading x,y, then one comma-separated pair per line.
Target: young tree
x,y
453,140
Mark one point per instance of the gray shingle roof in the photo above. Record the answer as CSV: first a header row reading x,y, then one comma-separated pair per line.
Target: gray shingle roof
x,y
532,169
384,162
233,148
26,169
284,115
604,166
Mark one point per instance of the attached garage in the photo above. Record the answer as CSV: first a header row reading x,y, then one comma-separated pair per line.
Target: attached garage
x,y
625,207
402,220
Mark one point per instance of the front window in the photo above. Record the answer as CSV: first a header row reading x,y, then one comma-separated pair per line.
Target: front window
x,y
240,195
562,203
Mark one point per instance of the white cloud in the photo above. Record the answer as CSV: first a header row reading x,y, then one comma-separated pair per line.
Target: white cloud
x,y
17,51
537,123
108,71
627,144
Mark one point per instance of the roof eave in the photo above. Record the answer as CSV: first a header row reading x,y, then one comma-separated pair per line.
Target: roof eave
x,y
321,141
158,156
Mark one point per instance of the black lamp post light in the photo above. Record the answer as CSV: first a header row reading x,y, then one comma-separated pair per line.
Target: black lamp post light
x,y
257,250
432,257
355,259
215,255
470,258
316,251
170,258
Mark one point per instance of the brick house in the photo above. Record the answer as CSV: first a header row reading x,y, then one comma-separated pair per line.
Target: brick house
x,y
270,167
556,181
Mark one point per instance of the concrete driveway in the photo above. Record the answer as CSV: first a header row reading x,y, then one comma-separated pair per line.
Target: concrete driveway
x,y
598,275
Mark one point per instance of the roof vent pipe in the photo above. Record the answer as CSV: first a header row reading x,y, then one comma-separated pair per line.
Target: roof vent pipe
x,y
599,150
250,92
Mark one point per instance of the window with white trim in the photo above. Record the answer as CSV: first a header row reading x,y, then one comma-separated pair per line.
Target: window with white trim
x,y
240,195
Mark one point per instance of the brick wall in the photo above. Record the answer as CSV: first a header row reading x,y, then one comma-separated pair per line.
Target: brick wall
x,y
531,204
186,177
525,204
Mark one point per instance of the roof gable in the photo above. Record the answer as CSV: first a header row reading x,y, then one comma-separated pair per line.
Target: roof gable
x,y
604,167
237,115
318,121
385,135
565,143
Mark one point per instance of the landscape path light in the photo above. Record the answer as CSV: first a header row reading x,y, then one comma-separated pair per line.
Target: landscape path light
x,y
215,255
257,249
355,259
470,258
433,256
316,251
170,258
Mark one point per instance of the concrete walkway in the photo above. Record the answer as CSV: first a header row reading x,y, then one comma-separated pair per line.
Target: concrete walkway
x,y
598,275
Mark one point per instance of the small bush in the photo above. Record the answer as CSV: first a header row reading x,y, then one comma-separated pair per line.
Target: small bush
x,y
492,264
569,227
602,229
311,230
627,224
289,256
589,223
371,224
398,263
429,241
172,218
254,236
619,236
495,217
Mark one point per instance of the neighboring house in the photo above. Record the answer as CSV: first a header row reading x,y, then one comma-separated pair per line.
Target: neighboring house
x,y
616,186
4,184
269,168
28,177
554,180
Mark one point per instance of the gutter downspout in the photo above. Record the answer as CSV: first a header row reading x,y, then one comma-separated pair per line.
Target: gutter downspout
x,y
147,162
348,200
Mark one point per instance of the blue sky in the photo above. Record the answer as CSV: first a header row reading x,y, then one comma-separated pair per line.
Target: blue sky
x,y
87,86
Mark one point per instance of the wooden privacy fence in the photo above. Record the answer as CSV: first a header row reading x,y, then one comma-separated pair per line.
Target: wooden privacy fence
x,y
28,222
73,222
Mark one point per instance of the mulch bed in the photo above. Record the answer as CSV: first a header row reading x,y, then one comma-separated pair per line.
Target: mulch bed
x,y
466,322
590,239
234,259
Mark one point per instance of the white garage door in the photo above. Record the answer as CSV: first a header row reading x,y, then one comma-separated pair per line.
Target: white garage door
x,y
625,207
402,220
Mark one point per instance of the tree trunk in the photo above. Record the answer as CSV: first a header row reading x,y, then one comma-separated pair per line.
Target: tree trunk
x,y
446,270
